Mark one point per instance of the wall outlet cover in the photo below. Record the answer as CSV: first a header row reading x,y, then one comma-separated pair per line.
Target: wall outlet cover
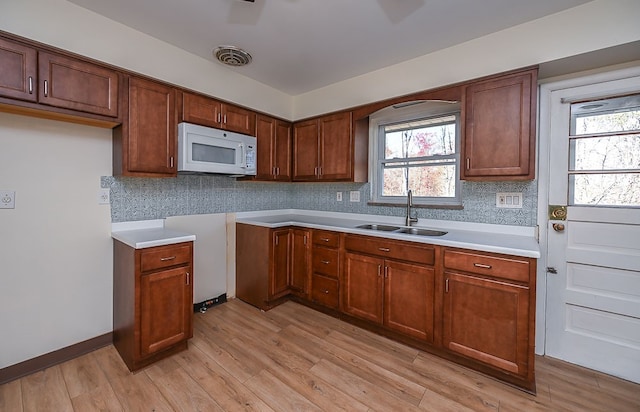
x,y
339,196
104,197
354,196
7,199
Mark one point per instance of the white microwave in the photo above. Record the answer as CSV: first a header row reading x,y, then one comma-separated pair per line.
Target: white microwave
x,y
207,150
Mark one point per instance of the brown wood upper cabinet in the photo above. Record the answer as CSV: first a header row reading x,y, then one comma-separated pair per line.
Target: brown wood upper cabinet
x,y
145,143
323,149
499,117
274,149
206,111
55,80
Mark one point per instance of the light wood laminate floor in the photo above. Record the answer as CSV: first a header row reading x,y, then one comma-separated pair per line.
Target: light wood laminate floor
x,y
295,359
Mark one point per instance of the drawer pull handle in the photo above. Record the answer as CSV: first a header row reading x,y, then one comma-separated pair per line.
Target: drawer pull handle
x,y
384,249
325,239
326,262
164,259
482,266
30,85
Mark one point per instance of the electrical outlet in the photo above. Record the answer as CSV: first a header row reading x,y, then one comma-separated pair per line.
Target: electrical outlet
x,y
7,199
509,200
339,196
354,196
104,197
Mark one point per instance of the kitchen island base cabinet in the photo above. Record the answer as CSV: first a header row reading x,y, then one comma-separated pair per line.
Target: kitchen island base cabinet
x,y
152,302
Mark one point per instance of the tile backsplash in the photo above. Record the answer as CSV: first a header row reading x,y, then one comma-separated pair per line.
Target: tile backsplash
x,y
149,198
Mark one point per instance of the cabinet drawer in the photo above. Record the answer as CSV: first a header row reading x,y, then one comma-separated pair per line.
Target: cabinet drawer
x,y
501,266
165,256
324,291
409,251
325,261
325,238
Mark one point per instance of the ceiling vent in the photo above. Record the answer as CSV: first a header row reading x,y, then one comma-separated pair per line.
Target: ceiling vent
x,y
232,56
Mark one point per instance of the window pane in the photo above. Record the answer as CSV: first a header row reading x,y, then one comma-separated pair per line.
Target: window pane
x,y
420,141
615,189
426,181
613,115
606,153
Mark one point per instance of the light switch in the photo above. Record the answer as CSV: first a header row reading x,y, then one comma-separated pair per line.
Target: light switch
x,y
509,200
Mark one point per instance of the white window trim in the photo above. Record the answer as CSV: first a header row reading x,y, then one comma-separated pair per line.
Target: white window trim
x,y
401,113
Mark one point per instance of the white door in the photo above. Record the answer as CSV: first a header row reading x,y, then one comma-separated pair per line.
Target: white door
x,y
593,301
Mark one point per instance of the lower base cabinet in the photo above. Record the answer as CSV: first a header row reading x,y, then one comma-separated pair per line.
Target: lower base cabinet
x,y
271,264
152,302
487,320
475,308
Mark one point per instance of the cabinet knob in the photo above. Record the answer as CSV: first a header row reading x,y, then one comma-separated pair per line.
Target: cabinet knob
x,y
326,291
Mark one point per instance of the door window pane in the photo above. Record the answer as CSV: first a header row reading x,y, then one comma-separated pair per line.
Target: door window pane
x,y
622,189
604,167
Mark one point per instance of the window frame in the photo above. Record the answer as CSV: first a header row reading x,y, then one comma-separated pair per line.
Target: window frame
x,y
405,112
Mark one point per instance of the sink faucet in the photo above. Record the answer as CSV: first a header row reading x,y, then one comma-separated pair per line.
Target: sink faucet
x,y
409,220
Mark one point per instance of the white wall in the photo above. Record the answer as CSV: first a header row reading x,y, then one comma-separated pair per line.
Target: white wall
x,y
70,27
593,26
56,271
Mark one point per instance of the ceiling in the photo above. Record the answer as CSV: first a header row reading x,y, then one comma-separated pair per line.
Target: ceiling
x,y
301,45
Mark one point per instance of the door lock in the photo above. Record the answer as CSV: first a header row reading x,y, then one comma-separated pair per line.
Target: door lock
x,y
558,227
557,212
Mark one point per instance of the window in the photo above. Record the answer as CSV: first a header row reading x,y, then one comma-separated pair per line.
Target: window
x,y
604,150
415,147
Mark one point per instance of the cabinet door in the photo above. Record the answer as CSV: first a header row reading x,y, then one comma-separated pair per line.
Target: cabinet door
x,y
239,120
300,261
280,269
77,85
201,110
153,131
409,297
305,150
282,151
166,306
266,137
362,286
18,71
487,320
336,147
499,139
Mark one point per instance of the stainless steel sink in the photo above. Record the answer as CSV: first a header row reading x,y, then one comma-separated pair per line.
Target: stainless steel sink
x,y
404,230
420,232
384,228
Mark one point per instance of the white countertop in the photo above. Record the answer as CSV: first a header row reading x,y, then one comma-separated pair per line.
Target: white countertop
x,y
148,233
511,240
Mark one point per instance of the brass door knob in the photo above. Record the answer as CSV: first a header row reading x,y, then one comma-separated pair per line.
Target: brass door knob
x,y
558,227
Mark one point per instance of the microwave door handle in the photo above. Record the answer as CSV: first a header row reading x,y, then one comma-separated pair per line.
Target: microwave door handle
x,y
243,160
